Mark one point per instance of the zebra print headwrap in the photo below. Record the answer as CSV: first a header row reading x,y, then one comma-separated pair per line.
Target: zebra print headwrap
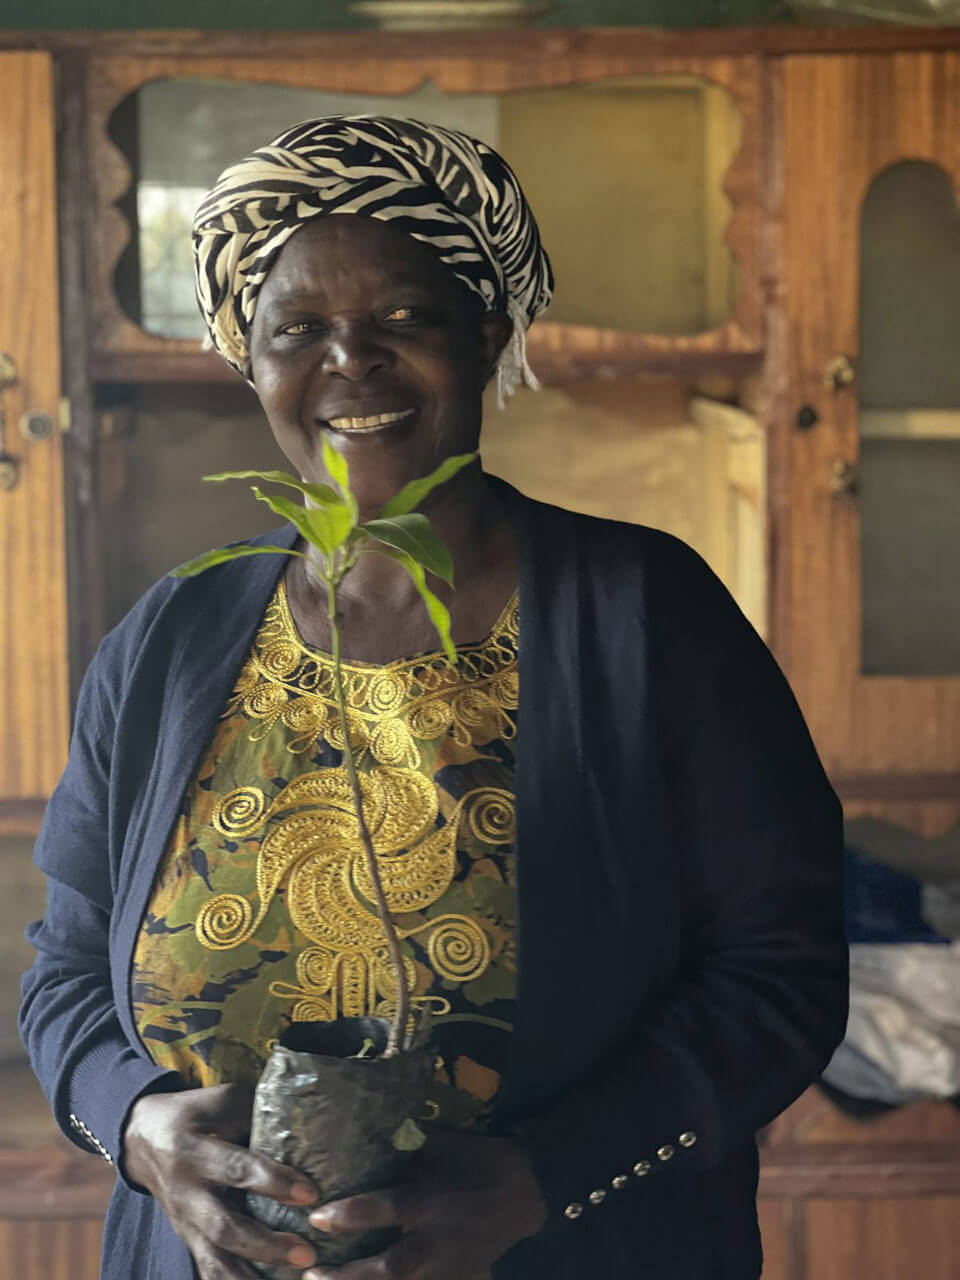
x,y
450,191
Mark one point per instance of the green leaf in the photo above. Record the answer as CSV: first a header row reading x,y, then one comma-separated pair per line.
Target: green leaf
x,y
412,494
336,464
220,555
437,610
408,1136
327,526
298,516
415,535
332,525
318,492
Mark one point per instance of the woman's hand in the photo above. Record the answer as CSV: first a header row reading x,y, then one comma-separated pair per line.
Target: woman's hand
x,y
466,1200
182,1147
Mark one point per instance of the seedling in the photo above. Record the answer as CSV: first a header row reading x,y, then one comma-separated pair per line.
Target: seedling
x,y
330,522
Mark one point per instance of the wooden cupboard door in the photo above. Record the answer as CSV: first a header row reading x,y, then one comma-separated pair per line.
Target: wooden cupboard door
x,y
34,680
776,1219
893,1238
41,1249
845,120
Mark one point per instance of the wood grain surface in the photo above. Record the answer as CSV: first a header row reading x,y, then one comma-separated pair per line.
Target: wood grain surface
x,y
337,45
496,69
846,119
883,1239
34,699
43,1250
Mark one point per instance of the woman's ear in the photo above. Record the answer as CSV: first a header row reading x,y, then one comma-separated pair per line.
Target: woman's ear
x,y
496,330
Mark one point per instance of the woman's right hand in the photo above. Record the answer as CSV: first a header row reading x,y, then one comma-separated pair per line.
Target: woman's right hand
x,y
184,1149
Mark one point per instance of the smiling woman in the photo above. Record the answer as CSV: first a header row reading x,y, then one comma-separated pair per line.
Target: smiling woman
x,y
362,335
613,856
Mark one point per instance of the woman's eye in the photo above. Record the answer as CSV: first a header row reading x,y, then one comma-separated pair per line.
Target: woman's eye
x,y
404,313
298,328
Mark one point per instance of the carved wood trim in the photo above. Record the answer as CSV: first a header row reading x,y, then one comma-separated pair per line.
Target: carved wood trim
x,y
317,44
548,361
490,70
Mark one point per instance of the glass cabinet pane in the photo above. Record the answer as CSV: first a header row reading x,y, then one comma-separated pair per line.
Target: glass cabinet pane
x,y
156,509
909,480
635,226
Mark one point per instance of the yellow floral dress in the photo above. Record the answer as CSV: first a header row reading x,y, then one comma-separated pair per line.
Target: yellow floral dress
x,y
262,911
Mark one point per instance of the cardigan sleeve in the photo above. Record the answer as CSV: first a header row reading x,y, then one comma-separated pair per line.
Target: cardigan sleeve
x,y
759,1001
86,1066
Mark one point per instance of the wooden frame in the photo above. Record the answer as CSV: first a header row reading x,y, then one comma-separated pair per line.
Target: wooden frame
x,y
553,42
124,350
805,1161
864,725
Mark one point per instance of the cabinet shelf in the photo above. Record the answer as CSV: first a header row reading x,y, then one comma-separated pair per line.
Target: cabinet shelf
x,y
565,351
910,424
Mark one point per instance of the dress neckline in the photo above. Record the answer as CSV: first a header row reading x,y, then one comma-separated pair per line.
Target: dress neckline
x,y
506,624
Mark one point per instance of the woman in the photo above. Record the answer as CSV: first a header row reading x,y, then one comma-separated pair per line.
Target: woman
x,y
651,958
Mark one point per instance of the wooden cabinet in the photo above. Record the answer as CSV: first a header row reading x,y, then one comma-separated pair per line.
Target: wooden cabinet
x,y
754,402
845,1199
34,705
845,122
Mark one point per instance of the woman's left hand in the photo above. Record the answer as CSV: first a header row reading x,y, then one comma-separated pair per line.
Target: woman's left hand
x,y
465,1201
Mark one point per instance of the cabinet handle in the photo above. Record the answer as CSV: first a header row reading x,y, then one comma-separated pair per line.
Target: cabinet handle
x,y
35,425
844,479
9,465
839,372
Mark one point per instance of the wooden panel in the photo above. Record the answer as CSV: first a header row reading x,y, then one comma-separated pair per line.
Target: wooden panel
x,y
493,69
814,1120
42,1174
43,1250
845,119
776,1229
34,697
345,45
883,1239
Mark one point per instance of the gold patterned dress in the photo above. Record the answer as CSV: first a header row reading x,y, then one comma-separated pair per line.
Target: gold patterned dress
x,y
261,911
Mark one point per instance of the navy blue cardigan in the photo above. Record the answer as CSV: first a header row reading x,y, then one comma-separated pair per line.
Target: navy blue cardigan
x,y
682,973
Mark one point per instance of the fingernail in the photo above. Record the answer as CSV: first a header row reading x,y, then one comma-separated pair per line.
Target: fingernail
x,y
320,1218
303,1191
301,1255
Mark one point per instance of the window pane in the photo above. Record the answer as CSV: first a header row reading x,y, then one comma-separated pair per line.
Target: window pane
x,y
910,423
626,179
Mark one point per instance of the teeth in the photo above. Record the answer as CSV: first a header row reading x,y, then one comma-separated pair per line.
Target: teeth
x,y
369,424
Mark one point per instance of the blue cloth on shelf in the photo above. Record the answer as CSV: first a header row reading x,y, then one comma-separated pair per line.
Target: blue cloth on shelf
x,y
883,905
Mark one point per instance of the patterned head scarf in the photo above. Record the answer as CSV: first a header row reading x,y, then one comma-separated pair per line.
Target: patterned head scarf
x,y
450,191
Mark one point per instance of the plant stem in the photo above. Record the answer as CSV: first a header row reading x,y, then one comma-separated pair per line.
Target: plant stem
x,y
401,1013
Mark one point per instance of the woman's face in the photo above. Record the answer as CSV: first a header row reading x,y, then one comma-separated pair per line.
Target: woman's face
x,y
363,335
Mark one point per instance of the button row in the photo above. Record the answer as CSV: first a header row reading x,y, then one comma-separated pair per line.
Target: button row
x,y
94,1142
640,1170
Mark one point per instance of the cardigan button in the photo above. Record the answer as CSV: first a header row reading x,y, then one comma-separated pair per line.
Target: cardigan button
x,y
641,1167
598,1196
620,1181
687,1139
665,1152
573,1211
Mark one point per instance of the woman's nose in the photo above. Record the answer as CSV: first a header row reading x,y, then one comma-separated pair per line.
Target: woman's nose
x,y
353,352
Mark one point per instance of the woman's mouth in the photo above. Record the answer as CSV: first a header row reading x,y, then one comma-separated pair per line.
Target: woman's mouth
x,y
376,421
